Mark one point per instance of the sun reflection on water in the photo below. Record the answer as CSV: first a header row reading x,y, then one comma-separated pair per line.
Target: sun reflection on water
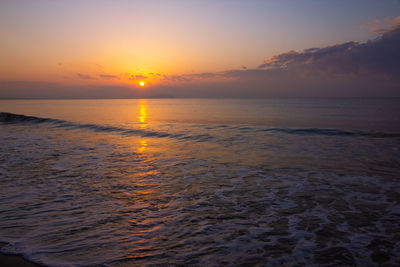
x,y
142,113
143,145
143,124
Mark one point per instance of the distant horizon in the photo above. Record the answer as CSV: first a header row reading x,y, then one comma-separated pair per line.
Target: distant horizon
x,y
265,98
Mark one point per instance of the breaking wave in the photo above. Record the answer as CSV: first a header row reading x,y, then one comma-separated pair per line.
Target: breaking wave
x,y
10,118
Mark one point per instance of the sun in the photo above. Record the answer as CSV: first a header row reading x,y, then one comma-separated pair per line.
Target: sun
x,y
141,84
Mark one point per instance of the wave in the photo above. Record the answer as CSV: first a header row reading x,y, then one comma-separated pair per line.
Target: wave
x,y
10,118
332,132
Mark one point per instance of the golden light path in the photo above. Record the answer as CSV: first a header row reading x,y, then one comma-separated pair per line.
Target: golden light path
x,y
142,147
142,119
142,113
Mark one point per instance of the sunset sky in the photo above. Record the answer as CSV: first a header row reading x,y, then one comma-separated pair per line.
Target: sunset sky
x,y
106,49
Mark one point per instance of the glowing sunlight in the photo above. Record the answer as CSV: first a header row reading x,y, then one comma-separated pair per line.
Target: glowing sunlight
x,y
142,113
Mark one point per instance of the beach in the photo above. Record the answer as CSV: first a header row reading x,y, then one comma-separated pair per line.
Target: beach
x,y
7,260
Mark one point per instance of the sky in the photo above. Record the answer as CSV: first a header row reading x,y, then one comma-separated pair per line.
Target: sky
x,y
232,48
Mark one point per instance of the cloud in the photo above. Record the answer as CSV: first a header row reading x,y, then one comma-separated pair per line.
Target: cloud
x,y
26,83
84,76
382,26
375,59
380,56
137,77
350,62
108,76
193,76
38,89
175,78
351,69
203,75
27,89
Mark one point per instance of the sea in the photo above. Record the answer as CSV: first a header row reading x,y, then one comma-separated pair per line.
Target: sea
x,y
201,182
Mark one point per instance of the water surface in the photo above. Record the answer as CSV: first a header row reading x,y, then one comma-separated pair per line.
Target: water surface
x,y
201,182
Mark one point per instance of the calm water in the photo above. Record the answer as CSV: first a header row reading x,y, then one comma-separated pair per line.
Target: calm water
x,y
201,182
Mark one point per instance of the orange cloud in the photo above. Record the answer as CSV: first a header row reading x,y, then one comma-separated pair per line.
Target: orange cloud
x,y
379,26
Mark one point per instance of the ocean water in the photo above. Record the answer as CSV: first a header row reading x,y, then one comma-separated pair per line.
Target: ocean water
x,y
201,182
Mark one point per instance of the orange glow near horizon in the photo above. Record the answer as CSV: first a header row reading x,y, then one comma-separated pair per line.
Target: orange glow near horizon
x,y
141,83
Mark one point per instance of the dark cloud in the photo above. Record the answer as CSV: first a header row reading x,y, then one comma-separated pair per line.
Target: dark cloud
x,y
380,56
84,76
346,63
351,69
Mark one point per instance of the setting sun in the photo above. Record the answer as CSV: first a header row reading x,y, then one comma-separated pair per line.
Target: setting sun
x,y
141,83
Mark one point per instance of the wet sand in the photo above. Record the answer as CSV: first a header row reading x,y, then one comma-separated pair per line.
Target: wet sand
x,y
14,260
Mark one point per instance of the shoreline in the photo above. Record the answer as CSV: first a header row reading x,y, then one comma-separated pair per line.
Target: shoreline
x,y
10,260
